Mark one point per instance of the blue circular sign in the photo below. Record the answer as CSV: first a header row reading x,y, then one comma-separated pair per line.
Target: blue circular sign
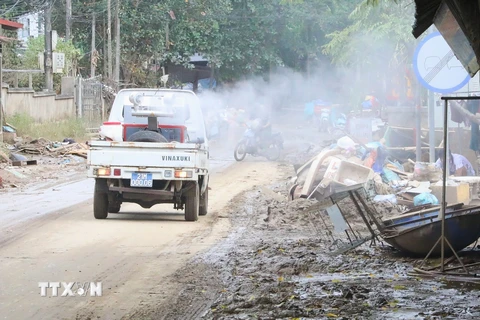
x,y
436,66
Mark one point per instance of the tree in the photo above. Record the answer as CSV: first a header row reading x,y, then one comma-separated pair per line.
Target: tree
x,y
376,46
239,37
305,25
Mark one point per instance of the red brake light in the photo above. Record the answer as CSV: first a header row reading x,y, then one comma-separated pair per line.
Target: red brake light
x,y
113,123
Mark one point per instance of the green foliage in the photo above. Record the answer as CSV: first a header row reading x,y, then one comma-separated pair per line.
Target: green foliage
x,y
249,37
380,33
376,46
10,57
305,26
240,37
36,46
145,25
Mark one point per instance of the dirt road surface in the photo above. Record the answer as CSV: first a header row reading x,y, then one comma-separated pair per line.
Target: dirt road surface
x,y
51,236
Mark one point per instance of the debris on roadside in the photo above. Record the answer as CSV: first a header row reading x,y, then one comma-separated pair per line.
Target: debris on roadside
x,y
26,161
391,197
49,148
277,264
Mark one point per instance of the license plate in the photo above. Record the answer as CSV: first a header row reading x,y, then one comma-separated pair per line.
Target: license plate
x,y
142,180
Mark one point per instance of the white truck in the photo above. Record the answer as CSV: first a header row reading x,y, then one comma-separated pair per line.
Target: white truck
x,y
153,149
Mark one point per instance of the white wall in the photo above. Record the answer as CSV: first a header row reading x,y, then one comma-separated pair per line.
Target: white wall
x,y
40,106
32,26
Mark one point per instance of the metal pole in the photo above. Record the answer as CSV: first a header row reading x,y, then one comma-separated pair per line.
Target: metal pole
x,y
109,40
117,43
360,212
444,182
1,88
418,126
431,125
431,118
48,48
80,97
68,18
93,62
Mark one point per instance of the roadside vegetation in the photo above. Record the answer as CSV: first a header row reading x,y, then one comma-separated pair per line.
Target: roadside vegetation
x,y
26,127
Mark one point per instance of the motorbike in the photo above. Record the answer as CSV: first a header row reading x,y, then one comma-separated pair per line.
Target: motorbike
x,y
250,144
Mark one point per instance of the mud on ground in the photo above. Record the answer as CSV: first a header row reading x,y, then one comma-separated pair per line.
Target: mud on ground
x,y
48,172
275,264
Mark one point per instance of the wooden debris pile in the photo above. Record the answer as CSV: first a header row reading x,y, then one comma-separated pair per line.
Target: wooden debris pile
x,y
56,149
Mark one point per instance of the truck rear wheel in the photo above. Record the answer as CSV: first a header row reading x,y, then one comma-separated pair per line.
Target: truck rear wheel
x,y
100,199
192,204
204,203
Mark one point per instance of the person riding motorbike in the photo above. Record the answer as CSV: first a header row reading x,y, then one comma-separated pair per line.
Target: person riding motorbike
x,y
265,130
262,128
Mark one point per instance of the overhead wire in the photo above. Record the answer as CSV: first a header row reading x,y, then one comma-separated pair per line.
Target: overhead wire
x,y
20,8
5,12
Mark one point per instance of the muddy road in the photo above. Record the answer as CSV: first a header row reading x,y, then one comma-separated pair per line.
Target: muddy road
x,y
278,263
44,238
254,256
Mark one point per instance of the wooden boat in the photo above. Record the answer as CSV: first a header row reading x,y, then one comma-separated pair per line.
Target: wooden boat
x,y
416,232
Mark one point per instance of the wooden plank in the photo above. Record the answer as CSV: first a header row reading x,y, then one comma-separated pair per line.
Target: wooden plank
x,y
398,171
409,196
405,202
78,153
